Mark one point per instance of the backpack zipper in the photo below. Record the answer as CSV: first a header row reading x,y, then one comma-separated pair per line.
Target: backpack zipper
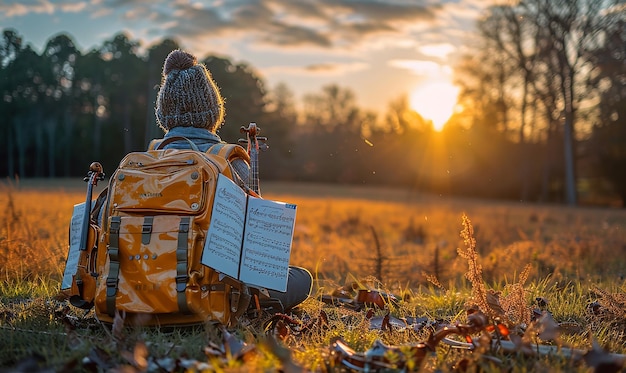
x,y
187,162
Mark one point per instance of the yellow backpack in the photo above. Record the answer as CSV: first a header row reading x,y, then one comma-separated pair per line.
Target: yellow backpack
x,y
154,223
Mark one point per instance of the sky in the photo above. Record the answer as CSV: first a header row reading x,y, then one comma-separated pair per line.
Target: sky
x,y
379,49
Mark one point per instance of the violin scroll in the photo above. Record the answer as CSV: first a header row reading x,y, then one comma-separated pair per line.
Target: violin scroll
x,y
95,173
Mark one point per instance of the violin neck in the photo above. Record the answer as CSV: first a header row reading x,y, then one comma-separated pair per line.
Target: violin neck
x,y
254,169
254,143
84,231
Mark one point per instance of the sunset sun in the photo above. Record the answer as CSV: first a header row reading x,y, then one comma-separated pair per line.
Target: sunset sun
x,y
434,101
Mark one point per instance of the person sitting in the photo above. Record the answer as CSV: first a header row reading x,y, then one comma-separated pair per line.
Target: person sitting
x,y
189,104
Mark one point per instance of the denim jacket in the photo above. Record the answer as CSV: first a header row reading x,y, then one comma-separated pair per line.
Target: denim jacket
x,y
199,136
204,139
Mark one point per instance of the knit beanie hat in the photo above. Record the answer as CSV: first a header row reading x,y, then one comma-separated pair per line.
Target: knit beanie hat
x,y
188,96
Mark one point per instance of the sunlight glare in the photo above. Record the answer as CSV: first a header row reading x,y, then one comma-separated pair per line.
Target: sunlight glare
x,y
435,101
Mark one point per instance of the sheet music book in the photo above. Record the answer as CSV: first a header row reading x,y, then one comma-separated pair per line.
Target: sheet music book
x,y
73,253
249,238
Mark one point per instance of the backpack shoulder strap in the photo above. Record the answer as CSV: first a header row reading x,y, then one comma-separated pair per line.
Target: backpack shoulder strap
x,y
154,143
234,154
159,144
229,151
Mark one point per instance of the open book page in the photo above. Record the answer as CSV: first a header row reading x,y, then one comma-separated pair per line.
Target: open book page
x,y
76,224
267,243
249,238
222,248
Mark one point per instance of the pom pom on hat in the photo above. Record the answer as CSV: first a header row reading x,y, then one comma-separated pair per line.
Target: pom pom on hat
x,y
178,60
188,97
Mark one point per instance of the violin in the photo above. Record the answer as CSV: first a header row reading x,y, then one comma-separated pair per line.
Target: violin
x,y
253,143
84,280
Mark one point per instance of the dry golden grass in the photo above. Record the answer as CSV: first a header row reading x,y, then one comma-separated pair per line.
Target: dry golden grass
x,y
346,231
495,255
419,236
34,231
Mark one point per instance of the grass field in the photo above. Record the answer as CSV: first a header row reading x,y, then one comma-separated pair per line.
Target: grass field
x,y
393,240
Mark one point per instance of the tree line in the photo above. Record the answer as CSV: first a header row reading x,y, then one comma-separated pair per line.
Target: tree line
x,y
550,75
543,97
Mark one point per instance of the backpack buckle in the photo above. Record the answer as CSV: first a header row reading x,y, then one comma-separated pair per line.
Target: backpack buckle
x,y
111,286
114,253
235,294
181,283
146,229
115,226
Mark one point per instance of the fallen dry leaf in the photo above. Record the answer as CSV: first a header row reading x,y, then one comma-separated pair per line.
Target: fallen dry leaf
x,y
603,362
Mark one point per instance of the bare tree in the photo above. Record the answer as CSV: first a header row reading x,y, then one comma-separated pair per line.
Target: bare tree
x,y
539,48
10,49
60,56
335,109
609,81
571,28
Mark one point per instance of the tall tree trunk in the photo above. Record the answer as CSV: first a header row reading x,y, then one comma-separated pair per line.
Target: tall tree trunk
x,y
51,129
39,150
67,149
97,130
10,150
570,164
525,161
152,131
569,138
21,141
97,138
547,166
127,127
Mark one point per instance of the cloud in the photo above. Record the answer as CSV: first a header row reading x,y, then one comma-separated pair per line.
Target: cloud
x,y
99,13
335,68
136,13
385,11
300,9
324,24
437,50
10,10
319,69
74,7
339,27
252,21
421,68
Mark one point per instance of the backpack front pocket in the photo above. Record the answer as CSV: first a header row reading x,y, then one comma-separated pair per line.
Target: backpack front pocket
x,y
151,257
